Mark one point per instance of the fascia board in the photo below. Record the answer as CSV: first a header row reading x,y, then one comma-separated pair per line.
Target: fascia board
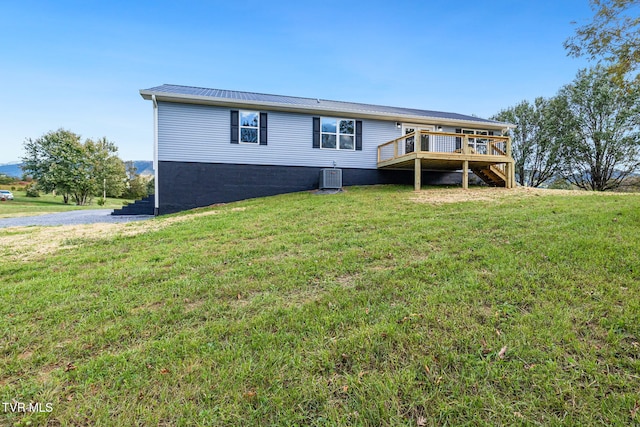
x,y
319,109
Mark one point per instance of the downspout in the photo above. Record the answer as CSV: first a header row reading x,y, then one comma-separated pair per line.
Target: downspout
x,y
156,206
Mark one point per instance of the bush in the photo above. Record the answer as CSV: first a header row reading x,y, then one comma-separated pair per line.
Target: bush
x,y
561,184
32,191
5,179
151,186
136,188
101,201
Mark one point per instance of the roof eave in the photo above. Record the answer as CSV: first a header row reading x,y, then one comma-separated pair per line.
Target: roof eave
x,y
319,109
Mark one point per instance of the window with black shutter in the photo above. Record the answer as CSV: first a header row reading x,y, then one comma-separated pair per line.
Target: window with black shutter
x,y
332,133
248,127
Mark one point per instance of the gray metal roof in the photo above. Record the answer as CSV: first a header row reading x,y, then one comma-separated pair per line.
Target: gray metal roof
x,y
198,93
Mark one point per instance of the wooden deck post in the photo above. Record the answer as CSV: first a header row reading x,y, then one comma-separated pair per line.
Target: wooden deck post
x,y
417,178
465,174
512,175
507,175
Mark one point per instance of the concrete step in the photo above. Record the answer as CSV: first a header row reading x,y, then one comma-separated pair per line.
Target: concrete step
x,y
139,207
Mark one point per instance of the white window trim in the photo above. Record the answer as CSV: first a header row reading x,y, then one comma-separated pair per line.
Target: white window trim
x,y
240,127
473,141
414,126
337,134
406,126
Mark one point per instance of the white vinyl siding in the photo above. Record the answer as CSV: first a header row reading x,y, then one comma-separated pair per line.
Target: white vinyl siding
x,y
200,133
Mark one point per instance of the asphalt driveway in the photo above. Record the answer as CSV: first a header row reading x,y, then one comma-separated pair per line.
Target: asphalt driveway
x,y
71,218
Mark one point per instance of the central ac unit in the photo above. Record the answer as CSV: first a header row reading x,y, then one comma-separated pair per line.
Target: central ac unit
x,y
330,178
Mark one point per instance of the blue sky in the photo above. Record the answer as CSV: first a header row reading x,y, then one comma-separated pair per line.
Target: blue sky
x,y
80,64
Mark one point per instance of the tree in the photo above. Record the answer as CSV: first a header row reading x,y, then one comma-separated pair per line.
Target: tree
x,y
6,179
58,161
600,137
535,147
136,185
53,160
613,36
109,169
151,186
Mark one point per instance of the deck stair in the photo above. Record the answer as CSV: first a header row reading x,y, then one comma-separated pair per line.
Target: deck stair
x,y
492,175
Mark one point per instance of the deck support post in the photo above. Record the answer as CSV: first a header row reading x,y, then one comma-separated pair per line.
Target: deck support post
x,y
507,174
417,178
465,174
510,167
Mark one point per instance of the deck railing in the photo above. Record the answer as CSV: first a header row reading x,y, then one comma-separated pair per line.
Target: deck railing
x,y
445,142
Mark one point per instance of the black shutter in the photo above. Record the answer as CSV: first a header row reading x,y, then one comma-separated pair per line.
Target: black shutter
x,y
263,128
235,118
359,135
316,132
458,140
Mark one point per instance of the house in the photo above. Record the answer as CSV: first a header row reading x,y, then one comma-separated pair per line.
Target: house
x,y
213,146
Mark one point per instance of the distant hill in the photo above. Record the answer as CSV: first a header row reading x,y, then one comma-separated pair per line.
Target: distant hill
x,y
11,169
144,167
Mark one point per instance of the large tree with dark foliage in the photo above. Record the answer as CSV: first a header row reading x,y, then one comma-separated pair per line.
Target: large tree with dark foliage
x,y
600,136
535,147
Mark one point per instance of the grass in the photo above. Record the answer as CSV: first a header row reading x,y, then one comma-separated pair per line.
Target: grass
x,y
361,308
47,203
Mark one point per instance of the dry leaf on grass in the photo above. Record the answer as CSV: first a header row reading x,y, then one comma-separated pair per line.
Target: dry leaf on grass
x,y
502,352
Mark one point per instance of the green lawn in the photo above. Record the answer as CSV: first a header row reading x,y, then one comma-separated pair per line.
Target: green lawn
x,y
47,203
361,308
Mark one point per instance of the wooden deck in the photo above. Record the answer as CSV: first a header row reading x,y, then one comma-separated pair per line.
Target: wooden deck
x,y
488,156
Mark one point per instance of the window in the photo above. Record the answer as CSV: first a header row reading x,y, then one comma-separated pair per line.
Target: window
x,y
337,134
479,145
249,126
409,145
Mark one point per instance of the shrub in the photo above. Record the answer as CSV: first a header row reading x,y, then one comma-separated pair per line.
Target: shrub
x,y
561,184
151,186
101,201
32,191
5,179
